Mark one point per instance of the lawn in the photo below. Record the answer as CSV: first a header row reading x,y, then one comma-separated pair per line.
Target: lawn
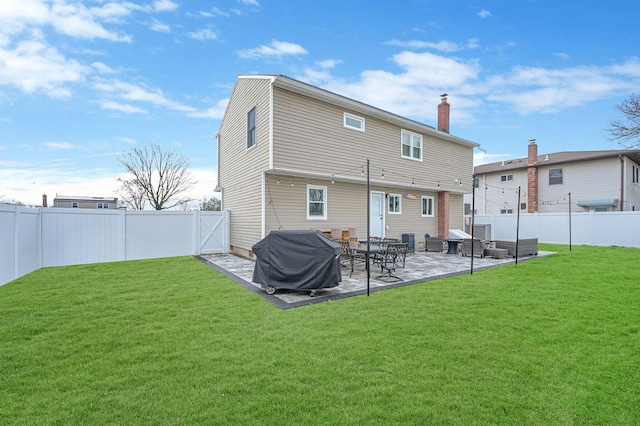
x,y
551,341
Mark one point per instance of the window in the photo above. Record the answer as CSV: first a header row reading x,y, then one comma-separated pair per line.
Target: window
x,y
476,182
634,175
353,122
555,176
75,204
316,202
506,211
427,207
523,206
395,204
506,178
251,128
103,205
411,145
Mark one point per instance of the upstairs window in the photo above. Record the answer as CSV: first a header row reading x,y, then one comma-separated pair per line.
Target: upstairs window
x,y
316,202
103,205
506,178
75,204
555,176
353,122
635,174
395,204
251,128
411,145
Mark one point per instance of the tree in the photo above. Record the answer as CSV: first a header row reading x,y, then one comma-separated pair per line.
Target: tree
x,y
132,195
160,176
212,204
627,132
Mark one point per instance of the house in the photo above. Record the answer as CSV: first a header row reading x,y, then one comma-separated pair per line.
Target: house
x,y
82,202
294,156
596,181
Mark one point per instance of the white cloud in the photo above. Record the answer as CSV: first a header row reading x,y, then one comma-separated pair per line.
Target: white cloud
x,y
160,27
103,68
204,34
164,6
119,107
484,14
35,67
59,145
275,49
249,2
442,46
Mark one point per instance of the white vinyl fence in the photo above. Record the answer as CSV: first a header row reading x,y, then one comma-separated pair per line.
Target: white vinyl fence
x,y
592,228
32,238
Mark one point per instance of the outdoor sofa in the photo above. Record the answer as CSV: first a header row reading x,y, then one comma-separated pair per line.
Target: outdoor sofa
x,y
433,243
526,246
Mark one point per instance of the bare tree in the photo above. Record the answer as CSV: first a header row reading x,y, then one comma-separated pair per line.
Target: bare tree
x,y
627,132
162,175
132,195
211,204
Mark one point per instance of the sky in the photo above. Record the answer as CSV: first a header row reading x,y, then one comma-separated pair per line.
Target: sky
x,y
82,82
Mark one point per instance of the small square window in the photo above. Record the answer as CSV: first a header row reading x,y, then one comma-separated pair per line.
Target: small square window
x,y
506,178
75,204
353,122
555,176
103,205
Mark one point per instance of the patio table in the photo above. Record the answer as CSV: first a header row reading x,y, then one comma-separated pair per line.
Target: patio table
x,y
453,246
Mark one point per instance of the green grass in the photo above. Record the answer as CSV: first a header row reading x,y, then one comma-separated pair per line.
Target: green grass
x,y
170,341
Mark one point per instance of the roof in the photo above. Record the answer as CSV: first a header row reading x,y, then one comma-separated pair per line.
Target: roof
x,y
556,158
77,198
324,95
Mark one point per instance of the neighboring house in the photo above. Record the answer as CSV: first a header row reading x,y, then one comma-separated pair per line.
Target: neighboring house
x,y
294,156
83,202
597,181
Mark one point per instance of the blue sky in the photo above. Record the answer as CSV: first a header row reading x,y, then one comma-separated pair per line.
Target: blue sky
x,y
82,81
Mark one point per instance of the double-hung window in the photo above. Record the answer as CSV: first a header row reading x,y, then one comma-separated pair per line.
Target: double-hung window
x,y
353,122
251,128
506,178
103,205
411,145
428,206
395,204
316,202
555,176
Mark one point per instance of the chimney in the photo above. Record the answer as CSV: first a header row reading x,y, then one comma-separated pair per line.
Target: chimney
x,y
533,153
44,200
532,177
443,114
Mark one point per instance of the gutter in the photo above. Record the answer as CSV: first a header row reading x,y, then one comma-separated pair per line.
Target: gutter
x,y
622,168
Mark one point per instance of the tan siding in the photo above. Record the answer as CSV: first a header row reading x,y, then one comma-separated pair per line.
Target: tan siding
x,y
240,169
346,208
306,129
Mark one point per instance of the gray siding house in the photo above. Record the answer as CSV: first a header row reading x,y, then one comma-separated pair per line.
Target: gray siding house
x,y
294,156
597,180
63,201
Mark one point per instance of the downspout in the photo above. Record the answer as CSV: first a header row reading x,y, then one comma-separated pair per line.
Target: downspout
x,y
621,182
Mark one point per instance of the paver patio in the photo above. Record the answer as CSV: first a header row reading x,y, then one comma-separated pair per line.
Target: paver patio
x,y
420,266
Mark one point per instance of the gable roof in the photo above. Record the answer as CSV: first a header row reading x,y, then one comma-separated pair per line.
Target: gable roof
x,y
556,158
287,83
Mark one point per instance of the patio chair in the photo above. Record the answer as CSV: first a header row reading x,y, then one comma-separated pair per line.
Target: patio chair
x,y
478,247
388,263
433,243
401,252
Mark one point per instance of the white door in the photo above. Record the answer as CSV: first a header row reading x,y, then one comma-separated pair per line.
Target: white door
x,y
377,214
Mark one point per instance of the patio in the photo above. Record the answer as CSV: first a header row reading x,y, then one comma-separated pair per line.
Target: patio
x,y
420,266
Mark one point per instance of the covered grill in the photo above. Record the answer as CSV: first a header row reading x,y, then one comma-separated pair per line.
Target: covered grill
x,y
296,260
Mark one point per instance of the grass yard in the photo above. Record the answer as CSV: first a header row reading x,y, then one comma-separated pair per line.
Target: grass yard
x,y
554,341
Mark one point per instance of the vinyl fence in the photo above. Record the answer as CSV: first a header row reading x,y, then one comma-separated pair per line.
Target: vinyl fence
x,y
32,238
592,228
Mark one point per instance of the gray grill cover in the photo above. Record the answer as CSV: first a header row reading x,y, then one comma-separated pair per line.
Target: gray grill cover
x,y
297,260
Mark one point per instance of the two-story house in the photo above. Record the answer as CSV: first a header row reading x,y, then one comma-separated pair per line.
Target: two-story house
x,y
597,181
294,156
75,202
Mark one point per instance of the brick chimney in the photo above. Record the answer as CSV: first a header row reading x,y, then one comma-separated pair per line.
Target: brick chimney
x,y
443,114
532,177
44,200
